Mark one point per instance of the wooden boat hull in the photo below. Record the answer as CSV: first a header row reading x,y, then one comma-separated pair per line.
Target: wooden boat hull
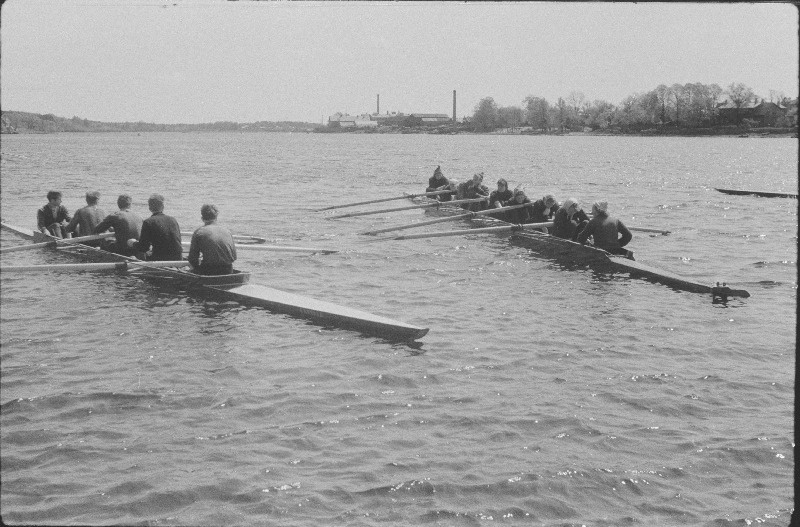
x,y
759,193
236,287
579,254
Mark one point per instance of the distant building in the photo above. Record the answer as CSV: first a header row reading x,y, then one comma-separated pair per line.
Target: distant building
x,y
433,118
344,120
764,113
388,119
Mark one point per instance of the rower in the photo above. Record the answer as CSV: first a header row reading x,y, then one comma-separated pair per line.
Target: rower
x,y
569,220
471,189
215,244
160,231
544,209
521,215
127,225
607,232
500,198
53,217
439,182
87,218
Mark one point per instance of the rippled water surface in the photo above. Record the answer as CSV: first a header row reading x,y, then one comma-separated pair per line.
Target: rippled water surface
x,y
544,394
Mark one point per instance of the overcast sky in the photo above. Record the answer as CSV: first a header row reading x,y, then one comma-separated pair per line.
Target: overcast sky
x,y
210,60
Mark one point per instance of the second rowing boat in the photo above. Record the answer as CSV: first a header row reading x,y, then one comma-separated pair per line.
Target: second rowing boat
x,y
576,253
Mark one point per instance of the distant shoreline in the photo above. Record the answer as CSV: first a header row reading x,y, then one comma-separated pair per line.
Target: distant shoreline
x,y
31,123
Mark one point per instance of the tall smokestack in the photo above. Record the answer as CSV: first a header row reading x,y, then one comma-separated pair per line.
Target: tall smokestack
x,y
379,104
454,106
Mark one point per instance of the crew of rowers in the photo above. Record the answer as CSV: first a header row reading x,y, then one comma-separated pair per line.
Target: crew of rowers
x,y
211,252
569,220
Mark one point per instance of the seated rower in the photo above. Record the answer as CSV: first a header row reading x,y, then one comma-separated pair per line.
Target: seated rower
x,y
569,220
214,243
522,214
126,225
439,182
87,218
500,198
608,233
544,209
471,189
159,231
53,217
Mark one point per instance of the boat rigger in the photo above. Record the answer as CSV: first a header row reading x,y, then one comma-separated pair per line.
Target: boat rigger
x,y
237,287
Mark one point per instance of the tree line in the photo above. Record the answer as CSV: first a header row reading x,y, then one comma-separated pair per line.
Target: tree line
x,y
692,105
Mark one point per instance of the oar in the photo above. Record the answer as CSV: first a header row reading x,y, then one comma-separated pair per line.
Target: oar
x,y
501,228
642,229
425,206
276,248
50,243
103,266
450,218
405,196
240,237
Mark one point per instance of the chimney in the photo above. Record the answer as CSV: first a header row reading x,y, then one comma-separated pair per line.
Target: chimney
x,y
379,104
454,106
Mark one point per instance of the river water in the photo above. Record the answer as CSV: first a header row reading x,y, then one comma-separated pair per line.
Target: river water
x,y
544,394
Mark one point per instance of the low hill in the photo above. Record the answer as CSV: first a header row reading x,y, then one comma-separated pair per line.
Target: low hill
x,y
34,123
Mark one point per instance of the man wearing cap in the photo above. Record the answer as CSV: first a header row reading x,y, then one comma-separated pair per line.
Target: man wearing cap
x,y
159,231
439,182
608,233
87,218
215,244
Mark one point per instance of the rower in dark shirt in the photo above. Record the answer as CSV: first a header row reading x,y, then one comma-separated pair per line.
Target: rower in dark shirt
x,y
87,218
159,231
471,189
522,214
569,220
127,225
53,217
543,209
215,244
439,182
608,233
500,198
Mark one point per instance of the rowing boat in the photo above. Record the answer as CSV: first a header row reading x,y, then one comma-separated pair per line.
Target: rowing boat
x,y
237,287
759,193
579,254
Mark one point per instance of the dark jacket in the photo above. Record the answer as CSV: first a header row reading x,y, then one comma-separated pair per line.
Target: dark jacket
x,y
501,197
566,227
435,184
520,215
606,231
164,235
216,245
45,216
541,213
127,225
